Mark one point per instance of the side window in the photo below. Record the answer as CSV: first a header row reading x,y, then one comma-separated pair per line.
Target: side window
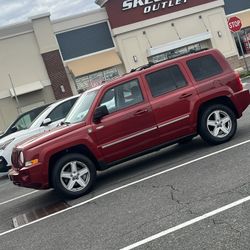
x,y
61,110
24,122
165,80
122,96
204,67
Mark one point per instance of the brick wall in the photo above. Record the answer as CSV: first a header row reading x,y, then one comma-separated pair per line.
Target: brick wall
x,y
57,74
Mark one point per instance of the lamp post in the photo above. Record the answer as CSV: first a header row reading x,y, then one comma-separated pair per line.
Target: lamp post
x,y
14,91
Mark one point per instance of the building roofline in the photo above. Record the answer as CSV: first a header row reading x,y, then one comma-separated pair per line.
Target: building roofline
x,y
39,15
101,3
83,14
239,12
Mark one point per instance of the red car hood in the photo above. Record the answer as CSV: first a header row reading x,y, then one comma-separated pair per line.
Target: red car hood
x,y
48,135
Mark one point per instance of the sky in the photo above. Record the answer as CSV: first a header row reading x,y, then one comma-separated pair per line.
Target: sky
x,y
15,11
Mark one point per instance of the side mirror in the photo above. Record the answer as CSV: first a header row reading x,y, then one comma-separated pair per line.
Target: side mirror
x,y
13,129
46,122
100,112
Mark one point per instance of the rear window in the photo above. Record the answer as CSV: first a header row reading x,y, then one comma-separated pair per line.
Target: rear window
x,y
165,80
204,67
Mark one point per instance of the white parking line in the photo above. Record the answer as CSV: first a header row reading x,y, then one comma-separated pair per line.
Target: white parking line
x,y
19,197
186,224
124,186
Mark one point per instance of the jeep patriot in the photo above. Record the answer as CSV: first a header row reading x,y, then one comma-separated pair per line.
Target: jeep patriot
x,y
150,108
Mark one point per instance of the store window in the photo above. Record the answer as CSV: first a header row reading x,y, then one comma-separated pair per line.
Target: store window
x,y
178,52
244,35
95,79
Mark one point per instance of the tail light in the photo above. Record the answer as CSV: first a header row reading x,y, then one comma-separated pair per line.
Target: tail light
x,y
238,83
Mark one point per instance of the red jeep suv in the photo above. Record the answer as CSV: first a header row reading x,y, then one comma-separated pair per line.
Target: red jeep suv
x,y
150,108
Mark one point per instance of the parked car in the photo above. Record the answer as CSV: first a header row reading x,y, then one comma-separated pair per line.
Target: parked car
x,y
23,121
47,120
153,107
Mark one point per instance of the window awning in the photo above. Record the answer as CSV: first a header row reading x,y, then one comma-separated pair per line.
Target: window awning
x,y
26,88
179,43
94,63
244,16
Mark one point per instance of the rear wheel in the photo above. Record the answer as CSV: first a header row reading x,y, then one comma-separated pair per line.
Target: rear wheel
x,y
218,124
73,175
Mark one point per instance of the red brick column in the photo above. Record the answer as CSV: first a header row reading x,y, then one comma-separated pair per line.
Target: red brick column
x,y
57,74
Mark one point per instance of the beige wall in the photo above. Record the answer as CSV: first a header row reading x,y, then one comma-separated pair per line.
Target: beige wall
x,y
44,33
9,107
81,20
137,41
244,17
21,58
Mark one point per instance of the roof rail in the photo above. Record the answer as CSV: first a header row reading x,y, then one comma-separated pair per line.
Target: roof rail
x,y
142,67
146,66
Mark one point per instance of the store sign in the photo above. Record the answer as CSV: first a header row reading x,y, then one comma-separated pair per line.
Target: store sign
x,y
234,24
124,12
151,5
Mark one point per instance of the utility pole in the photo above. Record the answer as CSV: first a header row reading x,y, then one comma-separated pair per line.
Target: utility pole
x,y
18,104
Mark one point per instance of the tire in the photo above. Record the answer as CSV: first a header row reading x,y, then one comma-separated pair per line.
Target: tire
x,y
218,124
73,175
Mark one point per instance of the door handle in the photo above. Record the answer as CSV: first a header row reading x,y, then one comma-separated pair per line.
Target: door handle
x,y
186,95
141,112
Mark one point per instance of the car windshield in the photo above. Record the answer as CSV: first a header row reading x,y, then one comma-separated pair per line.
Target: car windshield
x,y
81,108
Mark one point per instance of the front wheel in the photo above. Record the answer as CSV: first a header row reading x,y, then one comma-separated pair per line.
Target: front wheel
x,y
218,124
73,175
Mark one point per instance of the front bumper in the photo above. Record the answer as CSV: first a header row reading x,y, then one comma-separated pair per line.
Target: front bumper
x,y
29,177
3,165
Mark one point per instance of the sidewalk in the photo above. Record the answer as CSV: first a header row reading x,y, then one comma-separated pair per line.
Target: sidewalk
x,y
246,79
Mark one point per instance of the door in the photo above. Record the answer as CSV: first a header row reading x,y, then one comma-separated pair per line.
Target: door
x,y
130,126
172,99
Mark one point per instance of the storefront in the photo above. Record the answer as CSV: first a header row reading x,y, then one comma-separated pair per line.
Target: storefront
x,y
88,49
244,34
150,30
49,60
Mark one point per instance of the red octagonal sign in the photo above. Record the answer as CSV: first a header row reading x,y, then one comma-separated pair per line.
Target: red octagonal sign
x,y
234,24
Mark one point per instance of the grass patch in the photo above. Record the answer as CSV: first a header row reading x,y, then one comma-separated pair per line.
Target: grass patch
x,y
245,74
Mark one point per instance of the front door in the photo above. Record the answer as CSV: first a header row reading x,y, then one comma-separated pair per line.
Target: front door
x,y
130,126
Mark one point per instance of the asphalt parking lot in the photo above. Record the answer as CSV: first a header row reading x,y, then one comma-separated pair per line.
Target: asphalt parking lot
x,y
190,196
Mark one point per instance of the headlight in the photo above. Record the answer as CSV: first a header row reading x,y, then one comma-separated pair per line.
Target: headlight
x,y
4,144
21,159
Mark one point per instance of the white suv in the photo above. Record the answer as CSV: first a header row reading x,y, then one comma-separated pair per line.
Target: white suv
x,y
47,120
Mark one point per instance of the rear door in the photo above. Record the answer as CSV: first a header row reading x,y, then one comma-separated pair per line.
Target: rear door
x,y
206,72
172,96
130,126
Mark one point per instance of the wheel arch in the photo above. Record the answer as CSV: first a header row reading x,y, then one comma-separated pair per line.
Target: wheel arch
x,y
80,149
224,100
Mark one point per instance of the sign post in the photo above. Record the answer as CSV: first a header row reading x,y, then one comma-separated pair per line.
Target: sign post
x,y
235,24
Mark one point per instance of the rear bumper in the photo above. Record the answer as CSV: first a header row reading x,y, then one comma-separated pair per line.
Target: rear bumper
x,y
29,177
241,101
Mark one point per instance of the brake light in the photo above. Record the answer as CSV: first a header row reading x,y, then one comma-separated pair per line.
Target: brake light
x,y
239,85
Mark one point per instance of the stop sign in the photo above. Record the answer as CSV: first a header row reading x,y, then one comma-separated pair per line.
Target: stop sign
x,y
234,24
